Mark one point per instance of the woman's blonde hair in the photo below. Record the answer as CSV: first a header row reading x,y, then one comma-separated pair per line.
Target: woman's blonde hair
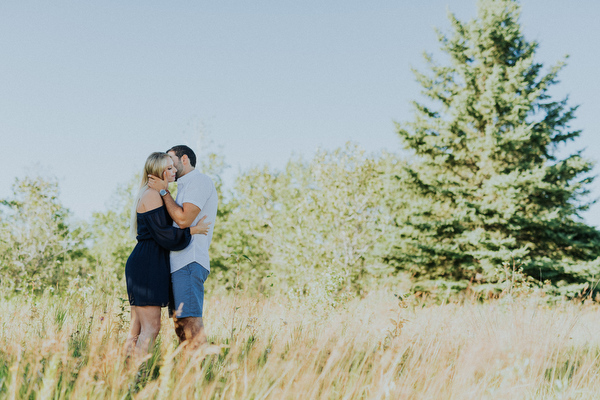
x,y
156,164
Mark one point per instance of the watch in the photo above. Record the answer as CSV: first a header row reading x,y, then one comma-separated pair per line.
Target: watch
x,y
163,192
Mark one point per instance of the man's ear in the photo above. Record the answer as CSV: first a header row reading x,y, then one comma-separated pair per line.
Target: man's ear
x,y
185,159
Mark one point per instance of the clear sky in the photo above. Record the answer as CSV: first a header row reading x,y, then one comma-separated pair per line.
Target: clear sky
x,y
89,89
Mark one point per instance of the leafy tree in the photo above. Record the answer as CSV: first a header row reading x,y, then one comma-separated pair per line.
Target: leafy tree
x,y
111,241
241,227
213,164
37,247
313,221
486,182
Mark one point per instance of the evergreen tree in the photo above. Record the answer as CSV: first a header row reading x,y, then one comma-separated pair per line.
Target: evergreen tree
x,y
485,183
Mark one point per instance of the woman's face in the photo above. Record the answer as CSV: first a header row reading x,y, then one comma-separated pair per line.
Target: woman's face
x,y
171,171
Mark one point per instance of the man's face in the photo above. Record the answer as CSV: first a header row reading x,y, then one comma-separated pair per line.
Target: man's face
x,y
177,163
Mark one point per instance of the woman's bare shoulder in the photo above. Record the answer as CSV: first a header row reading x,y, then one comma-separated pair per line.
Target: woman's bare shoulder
x,y
149,201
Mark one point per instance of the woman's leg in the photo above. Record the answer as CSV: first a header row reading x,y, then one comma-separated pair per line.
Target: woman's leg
x,y
149,319
134,331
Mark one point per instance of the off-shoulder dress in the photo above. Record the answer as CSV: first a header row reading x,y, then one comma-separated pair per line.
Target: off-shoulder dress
x,y
148,271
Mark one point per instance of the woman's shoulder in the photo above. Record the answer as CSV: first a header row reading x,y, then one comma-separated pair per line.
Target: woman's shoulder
x,y
149,201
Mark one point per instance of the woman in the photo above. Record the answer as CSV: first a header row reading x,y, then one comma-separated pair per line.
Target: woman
x,y
147,271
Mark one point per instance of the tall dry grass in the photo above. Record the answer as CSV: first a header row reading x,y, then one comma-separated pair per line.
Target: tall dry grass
x,y
269,348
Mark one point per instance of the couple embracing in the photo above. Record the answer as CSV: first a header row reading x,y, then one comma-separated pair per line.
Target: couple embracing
x,y
170,262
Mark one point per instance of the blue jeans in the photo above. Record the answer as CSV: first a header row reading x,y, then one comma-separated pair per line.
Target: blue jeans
x,y
188,291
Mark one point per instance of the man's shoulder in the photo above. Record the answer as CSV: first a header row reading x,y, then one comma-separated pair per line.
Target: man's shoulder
x,y
201,178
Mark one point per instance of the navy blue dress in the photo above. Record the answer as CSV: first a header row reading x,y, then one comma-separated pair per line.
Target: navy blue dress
x,y
148,270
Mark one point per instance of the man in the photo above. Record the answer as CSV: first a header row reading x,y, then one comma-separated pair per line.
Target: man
x,y
196,197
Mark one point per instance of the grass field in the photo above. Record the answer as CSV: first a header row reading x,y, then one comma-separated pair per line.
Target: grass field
x,y
376,347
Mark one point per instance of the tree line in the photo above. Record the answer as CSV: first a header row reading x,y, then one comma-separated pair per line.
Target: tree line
x,y
480,185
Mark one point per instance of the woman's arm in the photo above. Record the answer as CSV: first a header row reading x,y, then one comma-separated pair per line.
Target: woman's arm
x,y
166,235
161,230
170,237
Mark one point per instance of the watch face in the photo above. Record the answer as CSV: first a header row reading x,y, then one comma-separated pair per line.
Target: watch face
x,y
163,192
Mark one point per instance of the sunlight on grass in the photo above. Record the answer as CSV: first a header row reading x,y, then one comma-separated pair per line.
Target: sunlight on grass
x,y
375,347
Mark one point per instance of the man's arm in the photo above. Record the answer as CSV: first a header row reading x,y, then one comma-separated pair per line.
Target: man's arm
x,y
183,216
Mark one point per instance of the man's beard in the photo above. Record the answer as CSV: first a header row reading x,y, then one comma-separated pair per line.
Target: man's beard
x,y
178,173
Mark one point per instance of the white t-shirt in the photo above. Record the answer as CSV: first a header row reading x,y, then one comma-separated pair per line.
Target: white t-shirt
x,y
198,189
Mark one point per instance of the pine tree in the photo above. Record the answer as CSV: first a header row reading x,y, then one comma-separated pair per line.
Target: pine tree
x,y
485,183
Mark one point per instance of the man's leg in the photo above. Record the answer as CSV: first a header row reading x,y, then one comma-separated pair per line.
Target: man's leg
x,y
188,293
190,329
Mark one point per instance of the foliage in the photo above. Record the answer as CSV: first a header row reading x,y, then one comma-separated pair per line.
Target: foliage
x,y
324,215
111,240
485,183
37,248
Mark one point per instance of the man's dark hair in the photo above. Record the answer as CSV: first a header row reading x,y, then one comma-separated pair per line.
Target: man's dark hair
x,y
183,149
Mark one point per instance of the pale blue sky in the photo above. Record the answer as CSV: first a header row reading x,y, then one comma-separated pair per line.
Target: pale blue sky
x,y
89,89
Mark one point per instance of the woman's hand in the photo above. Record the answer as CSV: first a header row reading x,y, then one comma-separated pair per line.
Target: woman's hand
x,y
157,184
201,228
